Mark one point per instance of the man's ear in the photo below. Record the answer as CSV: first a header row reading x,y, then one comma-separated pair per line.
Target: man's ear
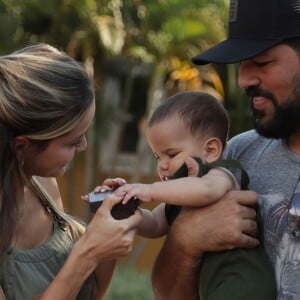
x,y
20,145
213,148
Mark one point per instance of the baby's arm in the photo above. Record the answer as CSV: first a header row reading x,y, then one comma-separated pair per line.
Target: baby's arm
x,y
187,191
154,223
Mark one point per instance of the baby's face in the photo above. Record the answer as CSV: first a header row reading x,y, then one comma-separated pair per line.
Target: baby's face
x,y
171,143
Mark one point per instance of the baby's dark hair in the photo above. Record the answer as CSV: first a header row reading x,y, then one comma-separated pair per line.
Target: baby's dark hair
x,y
199,111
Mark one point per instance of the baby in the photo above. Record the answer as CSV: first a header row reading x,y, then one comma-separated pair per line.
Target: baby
x,y
195,124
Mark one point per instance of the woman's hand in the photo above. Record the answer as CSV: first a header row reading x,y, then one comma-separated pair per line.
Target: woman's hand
x,y
106,238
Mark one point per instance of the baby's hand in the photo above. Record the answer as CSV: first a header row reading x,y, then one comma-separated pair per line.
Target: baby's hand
x,y
108,184
112,183
138,191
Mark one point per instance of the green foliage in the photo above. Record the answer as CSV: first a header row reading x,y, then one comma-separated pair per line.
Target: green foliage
x,y
130,284
165,33
183,29
171,27
144,30
114,27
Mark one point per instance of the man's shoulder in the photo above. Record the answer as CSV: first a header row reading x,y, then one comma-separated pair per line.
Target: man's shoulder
x,y
249,136
246,143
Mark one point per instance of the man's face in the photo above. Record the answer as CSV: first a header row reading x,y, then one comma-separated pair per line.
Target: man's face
x,y
286,116
272,80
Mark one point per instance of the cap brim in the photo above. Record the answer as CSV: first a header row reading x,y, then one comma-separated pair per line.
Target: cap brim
x,y
234,50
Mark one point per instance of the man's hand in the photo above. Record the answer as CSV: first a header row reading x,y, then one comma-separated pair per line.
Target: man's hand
x,y
227,224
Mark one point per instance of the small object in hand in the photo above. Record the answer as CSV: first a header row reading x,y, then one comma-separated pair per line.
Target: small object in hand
x,y
119,211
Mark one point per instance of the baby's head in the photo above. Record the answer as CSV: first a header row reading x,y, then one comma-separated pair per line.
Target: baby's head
x,y
187,124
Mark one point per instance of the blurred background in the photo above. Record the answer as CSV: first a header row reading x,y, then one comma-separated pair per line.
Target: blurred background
x,y
138,52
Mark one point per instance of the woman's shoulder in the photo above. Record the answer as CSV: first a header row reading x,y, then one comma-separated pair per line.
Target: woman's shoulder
x,y
50,185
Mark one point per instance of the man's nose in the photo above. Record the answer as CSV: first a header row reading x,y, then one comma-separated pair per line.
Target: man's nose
x,y
248,75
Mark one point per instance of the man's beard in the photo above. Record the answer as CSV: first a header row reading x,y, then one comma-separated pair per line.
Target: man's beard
x,y
286,118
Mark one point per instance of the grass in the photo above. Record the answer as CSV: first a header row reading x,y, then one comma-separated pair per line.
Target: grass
x,y
130,284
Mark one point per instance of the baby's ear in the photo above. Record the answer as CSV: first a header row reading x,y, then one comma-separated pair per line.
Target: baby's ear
x,y
213,148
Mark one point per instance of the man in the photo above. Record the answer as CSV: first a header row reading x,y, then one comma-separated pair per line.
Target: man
x,y
264,36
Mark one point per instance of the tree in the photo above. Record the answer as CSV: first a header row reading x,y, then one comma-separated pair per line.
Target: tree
x,y
164,34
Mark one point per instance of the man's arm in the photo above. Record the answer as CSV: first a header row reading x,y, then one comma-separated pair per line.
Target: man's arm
x,y
175,275
103,274
224,225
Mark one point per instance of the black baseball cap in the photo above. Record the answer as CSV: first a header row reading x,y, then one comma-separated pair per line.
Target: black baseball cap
x,y
254,27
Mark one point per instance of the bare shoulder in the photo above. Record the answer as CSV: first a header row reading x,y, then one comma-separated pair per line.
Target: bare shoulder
x,y
51,186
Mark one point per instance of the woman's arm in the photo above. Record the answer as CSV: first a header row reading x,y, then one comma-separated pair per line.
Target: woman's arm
x,y
104,271
105,239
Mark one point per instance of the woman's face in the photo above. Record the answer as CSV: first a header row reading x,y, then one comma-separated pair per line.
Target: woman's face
x,y
53,160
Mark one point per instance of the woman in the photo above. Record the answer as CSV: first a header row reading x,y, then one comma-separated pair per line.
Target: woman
x,y
46,106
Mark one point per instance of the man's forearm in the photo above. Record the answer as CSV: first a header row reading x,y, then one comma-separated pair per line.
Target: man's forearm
x,y
175,275
221,226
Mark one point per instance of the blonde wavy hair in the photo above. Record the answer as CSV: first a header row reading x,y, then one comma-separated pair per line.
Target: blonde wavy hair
x,y
44,94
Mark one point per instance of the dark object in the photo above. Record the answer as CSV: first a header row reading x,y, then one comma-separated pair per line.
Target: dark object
x,y
254,27
119,211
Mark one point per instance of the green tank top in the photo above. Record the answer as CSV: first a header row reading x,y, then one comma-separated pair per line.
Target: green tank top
x,y
27,273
